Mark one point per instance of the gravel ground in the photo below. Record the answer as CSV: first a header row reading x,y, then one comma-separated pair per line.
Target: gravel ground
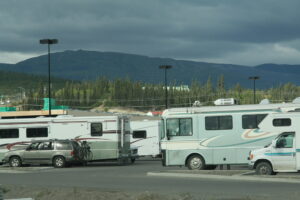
x,y
42,193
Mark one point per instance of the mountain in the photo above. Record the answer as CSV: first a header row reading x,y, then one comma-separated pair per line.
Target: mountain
x,y
88,65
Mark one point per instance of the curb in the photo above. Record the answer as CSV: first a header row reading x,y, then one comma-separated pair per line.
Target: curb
x,y
238,177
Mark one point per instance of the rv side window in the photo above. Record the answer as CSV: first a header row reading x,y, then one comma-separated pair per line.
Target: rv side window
x,y
218,123
36,132
282,122
139,134
252,121
179,127
9,133
96,129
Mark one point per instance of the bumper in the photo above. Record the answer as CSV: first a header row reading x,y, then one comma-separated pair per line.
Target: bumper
x,y
251,165
4,160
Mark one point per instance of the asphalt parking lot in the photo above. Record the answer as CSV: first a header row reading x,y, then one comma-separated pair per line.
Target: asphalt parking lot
x,y
234,173
145,180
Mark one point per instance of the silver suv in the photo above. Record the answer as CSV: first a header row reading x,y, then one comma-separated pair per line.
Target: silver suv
x,y
59,153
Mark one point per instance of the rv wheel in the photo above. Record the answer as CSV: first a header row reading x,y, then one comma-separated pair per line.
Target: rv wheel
x,y
195,162
59,162
15,161
264,168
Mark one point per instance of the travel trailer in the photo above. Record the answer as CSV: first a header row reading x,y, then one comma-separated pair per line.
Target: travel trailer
x,y
145,137
107,136
204,137
283,153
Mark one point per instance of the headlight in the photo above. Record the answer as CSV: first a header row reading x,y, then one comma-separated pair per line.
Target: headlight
x,y
251,156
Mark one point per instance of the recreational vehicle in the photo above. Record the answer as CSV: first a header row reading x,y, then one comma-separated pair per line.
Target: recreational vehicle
x,y
145,137
204,137
283,153
107,136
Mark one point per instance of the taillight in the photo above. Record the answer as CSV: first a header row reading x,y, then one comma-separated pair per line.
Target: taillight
x,y
72,153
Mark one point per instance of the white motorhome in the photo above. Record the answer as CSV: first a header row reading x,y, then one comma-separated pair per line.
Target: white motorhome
x,y
145,137
283,153
204,137
107,136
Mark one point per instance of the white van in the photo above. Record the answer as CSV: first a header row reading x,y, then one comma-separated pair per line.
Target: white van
x,y
283,153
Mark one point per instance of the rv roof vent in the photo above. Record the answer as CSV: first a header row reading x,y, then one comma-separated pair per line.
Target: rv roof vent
x,y
225,102
297,100
264,101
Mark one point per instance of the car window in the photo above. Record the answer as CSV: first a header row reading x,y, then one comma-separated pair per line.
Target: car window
x,y
45,145
64,146
34,146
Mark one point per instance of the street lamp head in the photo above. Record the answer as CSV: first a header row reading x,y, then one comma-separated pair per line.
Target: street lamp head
x,y
165,66
254,77
48,41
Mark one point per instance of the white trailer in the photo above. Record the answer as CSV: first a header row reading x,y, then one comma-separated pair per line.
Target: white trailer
x,y
204,137
283,153
107,136
145,137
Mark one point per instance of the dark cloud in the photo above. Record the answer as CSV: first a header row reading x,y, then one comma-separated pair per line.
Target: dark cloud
x,y
217,30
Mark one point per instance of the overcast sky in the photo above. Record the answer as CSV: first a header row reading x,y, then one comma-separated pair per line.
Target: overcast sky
x,y
247,32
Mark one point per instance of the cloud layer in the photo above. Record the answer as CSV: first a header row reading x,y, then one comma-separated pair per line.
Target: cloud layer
x,y
229,31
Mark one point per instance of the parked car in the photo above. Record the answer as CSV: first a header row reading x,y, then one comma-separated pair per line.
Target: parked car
x,y
59,153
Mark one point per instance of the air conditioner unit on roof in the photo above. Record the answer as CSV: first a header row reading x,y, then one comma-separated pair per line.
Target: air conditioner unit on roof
x,y
225,102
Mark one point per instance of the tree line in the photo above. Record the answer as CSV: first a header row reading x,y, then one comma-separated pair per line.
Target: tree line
x,y
145,96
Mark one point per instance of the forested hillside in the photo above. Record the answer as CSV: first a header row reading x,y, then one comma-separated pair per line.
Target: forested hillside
x,y
144,96
12,82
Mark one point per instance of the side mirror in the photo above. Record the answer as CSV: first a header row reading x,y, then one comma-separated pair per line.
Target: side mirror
x,y
168,135
28,148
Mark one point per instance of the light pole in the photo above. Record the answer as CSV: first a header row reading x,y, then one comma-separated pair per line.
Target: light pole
x,y
22,94
49,41
254,78
165,67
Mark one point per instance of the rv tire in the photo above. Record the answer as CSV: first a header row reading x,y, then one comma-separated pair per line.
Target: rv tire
x,y
264,168
196,162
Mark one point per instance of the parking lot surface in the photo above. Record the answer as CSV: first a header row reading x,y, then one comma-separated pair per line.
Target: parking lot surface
x,y
136,182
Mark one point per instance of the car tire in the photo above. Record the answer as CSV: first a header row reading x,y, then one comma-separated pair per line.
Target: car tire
x,y
196,162
59,162
264,168
15,161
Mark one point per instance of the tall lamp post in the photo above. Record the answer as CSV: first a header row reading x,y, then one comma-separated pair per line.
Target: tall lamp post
x,y
49,42
165,67
254,78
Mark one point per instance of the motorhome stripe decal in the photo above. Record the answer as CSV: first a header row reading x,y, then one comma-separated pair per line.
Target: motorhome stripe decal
x,y
9,146
22,123
142,139
46,122
80,139
247,134
280,154
237,144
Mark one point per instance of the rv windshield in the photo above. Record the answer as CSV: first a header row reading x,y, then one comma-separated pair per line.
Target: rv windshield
x,y
162,129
